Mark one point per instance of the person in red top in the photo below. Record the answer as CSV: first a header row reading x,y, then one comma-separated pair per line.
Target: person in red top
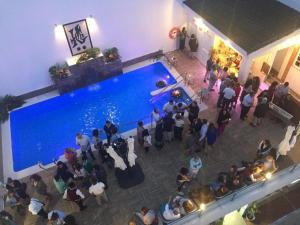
x,y
237,89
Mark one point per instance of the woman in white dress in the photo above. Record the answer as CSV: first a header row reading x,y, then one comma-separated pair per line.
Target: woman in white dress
x,y
284,147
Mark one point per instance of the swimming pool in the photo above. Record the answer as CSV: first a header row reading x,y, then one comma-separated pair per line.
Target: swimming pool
x,y
40,132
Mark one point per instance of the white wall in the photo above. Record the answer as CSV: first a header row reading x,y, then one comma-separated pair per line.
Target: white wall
x,y
293,77
28,46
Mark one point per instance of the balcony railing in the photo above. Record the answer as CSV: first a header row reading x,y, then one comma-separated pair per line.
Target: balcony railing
x,y
241,197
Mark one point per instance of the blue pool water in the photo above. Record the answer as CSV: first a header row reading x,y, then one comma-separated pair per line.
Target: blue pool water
x,y
40,132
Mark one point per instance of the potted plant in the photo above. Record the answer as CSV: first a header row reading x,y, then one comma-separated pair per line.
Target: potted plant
x,y
8,103
59,71
111,54
91,53
251,211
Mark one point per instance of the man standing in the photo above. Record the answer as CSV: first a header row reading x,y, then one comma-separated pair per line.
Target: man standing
x,y
109,129
97,190
203,132
169,107
246,105
193,43
209,64
85,146
281,91
228,96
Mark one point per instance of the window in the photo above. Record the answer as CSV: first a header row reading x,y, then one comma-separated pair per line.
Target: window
x,y
297,61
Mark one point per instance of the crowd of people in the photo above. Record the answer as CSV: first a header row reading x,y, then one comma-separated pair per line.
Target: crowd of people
x,y
84,173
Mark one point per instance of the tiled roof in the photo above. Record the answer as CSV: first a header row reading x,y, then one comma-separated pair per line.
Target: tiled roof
x,y
251,24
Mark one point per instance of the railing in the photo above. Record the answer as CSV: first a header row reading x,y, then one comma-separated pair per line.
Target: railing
x,y
241,197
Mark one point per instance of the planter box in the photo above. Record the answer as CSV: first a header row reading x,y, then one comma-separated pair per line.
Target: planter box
x,y
89,72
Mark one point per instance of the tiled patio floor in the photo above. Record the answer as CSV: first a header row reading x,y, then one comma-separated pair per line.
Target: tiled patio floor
x,y
238,143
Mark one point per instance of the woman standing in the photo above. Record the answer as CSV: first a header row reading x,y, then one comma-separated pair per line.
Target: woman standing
x,y
223,120
182,37
140,129
211,136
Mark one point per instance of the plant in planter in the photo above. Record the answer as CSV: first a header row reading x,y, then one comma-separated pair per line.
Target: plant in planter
x,y
111,54
59,71
8,103
91,53
251,211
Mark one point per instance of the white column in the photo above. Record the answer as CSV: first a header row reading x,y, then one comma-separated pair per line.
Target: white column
x,y
244,69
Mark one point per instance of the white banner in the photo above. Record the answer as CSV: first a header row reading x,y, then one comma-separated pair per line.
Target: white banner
x,y
78,36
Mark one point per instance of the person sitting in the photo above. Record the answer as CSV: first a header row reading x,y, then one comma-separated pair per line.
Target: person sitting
x,y
148,216
79,171
37,208
269,164
264,148
72,193
70,220
39,186
256,173
182,179
185,205
171,212
222,191
56,217
63,172
59,184
235,184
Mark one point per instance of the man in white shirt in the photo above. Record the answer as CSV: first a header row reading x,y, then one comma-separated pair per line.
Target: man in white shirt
x,y
97,189
180,108
85,146
56,217
246,105
155,117
203,132
36,208
228,96
169,107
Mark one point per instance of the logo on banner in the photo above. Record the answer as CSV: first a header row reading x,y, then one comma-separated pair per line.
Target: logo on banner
x,y
78,36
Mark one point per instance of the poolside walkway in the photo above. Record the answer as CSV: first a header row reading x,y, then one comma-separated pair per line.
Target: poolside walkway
x,y
238,143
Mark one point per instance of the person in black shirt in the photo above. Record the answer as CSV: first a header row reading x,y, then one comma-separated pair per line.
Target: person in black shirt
x,y
168,123
193,110
109,129
223,120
